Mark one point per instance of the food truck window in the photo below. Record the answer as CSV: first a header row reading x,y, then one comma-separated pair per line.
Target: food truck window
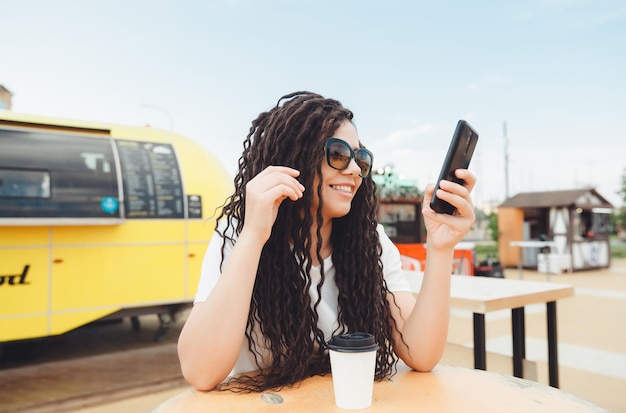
x,y
47,174
23,183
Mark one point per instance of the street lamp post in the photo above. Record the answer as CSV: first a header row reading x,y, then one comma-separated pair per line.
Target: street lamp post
x,y
161,109
506,161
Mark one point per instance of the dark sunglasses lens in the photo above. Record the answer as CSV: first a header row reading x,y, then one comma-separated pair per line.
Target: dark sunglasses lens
x,y
364,160
339,155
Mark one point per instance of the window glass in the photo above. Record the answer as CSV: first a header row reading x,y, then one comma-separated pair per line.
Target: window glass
x,y
601,224
59,175
585,229
537,220
401,222
19,183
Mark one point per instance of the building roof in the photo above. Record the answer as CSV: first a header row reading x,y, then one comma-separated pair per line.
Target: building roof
x,y
584,197
5,89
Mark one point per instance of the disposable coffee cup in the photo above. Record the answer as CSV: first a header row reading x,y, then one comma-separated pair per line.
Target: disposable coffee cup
x,y
353,364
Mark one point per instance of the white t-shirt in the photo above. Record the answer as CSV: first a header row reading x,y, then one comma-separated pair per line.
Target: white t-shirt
x,y
328,306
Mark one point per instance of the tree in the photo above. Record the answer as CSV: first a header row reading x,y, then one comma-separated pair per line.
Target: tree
x,y
622,190
619,217
390,186
493,226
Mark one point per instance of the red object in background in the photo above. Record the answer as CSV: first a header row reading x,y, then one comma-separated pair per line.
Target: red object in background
x,y
413,258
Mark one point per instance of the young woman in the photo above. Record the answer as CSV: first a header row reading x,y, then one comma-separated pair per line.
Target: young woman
x,y
298,256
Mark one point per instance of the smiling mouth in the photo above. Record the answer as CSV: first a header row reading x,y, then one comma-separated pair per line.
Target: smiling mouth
x,y
346,189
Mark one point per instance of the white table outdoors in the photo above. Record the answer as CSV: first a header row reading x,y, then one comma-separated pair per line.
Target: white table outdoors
x,y
481,295
530,244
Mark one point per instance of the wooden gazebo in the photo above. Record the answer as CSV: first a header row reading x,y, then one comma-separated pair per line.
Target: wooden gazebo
x,y
575,223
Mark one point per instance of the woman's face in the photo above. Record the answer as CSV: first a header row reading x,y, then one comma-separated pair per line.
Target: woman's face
x,y
339,187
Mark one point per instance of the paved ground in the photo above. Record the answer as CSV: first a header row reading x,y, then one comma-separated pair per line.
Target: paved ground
x,y
98,364
591,334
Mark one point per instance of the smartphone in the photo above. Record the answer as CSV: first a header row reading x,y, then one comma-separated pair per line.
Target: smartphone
x,y
458,157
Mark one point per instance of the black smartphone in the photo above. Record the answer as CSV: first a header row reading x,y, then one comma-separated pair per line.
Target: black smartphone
x,y
458,157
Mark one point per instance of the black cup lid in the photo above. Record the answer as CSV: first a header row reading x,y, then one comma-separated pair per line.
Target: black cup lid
x,y
352,343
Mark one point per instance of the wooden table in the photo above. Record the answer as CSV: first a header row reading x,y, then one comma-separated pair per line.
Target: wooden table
x,y
445,389
481,295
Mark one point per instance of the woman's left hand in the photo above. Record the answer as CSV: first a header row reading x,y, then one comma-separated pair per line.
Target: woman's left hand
x,y
443,230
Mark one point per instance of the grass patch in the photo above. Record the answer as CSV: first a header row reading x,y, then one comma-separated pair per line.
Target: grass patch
x,y
490,250
486,250
618,248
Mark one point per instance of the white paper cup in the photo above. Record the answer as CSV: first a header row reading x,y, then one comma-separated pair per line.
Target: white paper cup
x,y
353,364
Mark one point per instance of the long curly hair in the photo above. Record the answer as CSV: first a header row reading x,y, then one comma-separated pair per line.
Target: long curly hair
x,y
292,134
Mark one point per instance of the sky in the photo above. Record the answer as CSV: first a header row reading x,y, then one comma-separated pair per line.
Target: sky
x,y
552,71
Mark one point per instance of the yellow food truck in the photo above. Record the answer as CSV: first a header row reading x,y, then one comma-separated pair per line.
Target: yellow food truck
x,y
99,221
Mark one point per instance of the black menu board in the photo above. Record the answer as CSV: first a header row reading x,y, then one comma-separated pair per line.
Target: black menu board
x,y
152,183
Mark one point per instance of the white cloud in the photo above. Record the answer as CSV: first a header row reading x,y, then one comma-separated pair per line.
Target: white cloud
x,y
497,80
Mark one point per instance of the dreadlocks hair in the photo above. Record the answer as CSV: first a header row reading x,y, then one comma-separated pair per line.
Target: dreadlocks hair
x,y
282,315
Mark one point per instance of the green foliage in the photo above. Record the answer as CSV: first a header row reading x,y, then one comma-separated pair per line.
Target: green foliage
x,y
486,250
622,190
493,226
391,187
618,247
618,219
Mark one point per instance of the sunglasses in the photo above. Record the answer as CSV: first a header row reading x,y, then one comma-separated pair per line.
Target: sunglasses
x,y
339,155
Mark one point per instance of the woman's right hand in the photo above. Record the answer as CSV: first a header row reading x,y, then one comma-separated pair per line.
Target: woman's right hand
x,y
264,194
